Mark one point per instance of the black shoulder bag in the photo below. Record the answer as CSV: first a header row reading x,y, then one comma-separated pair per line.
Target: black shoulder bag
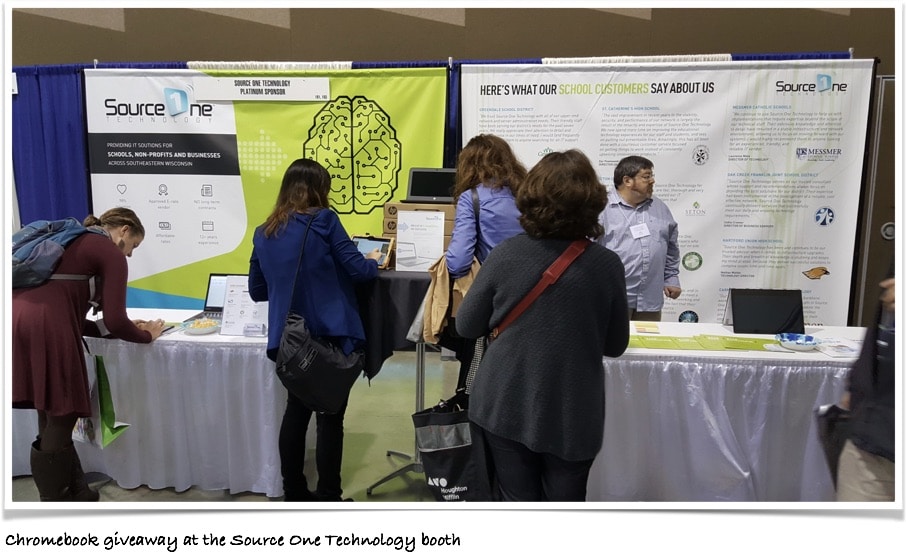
x,y
314,370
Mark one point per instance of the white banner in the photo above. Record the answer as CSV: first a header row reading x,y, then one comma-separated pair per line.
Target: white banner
x,y
760,162
260,88
171,158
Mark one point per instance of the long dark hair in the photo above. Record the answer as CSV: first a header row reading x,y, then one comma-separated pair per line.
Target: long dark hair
x,y
305,188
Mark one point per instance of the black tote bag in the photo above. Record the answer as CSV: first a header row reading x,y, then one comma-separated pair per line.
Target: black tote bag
x,y
452,457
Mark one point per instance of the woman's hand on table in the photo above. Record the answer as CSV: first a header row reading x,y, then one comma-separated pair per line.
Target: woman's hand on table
x,y
155,327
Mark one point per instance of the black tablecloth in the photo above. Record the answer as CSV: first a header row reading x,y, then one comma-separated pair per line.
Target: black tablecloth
x,y
388,305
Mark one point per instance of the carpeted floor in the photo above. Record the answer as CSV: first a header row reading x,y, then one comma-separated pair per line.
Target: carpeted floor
x,y
378,420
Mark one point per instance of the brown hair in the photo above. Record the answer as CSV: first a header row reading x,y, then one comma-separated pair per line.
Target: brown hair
x,y
115,218
305,187
562,198
489,160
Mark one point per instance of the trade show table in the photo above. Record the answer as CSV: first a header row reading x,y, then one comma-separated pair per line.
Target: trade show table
x,y
681,425
203,411
717,426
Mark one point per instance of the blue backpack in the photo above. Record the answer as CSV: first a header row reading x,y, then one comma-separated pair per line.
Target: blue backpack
x,y
37,249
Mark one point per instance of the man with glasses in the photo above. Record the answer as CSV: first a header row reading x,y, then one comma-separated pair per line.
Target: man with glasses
x,y
641,229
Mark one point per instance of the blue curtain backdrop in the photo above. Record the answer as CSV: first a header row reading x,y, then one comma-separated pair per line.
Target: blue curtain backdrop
x,y
50,150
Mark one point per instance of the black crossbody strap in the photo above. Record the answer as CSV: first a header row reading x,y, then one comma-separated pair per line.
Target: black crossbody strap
x,y
299,262
477,208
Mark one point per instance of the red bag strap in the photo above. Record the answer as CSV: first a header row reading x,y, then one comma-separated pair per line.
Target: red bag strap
x,y
548,277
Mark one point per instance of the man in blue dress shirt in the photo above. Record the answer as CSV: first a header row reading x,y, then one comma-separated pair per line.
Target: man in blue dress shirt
x,y
640,228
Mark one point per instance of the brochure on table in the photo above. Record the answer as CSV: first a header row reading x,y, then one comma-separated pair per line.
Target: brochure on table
x,y
240,313
419,239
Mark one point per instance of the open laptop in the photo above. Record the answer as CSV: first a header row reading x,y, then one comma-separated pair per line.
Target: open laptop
x,y
430,185
214,297
765,311
408,256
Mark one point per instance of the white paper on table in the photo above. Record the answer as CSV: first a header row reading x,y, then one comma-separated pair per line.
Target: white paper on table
x,y
419,239
839,347
239,309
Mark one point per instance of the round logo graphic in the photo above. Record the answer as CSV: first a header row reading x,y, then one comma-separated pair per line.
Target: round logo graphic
x,y
824,216
700,155
688,316
692,261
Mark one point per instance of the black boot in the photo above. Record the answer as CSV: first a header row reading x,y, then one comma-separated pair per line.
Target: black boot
x,y
52,472
78,486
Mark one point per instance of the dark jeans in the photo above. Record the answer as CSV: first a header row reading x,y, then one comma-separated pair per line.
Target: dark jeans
x,y
524,475
328,452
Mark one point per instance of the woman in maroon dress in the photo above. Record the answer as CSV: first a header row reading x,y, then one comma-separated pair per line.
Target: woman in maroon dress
x,y
48,323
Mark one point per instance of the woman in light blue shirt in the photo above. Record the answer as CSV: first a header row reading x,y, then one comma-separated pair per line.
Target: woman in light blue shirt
x,y
487,166
488,175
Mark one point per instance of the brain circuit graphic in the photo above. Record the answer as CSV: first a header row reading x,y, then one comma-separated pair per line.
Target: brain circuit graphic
x,y
353,139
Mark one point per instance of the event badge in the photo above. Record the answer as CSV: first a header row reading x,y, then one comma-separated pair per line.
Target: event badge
x,y
639,231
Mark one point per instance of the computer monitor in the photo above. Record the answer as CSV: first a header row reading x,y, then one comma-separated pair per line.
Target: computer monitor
x,y
765,311
431,185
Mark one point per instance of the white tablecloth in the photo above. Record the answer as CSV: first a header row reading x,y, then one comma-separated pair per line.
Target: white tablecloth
x,y
204,411
716,426
680,425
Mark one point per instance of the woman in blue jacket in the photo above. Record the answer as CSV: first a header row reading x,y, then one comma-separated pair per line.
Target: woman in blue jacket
x,y
324,296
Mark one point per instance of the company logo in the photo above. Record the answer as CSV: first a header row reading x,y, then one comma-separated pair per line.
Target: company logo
x,y
815,273
696,211
176,100
824,216
688,316
818,155
823,83
692,261
439,482
545,151
700,155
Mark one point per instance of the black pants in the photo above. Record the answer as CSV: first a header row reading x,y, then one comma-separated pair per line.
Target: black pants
x,y
524,475
465,351
328,452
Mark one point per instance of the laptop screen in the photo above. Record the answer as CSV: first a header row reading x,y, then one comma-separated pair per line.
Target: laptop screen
x,y
431,185
216,294
763,311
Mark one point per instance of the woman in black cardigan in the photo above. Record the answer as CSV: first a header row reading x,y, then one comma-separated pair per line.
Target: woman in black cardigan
x,y
538,396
